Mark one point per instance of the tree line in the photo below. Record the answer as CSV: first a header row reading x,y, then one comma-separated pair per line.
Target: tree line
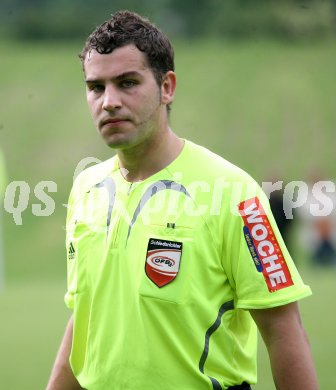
x,y
74,19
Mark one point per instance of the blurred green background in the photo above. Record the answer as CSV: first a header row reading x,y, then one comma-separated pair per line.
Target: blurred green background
x,y
256,84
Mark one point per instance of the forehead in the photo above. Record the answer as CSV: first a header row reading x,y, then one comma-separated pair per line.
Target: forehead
x,y
122,59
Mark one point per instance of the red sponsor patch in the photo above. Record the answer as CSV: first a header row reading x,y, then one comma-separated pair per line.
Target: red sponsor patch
x,y
258,228
163,261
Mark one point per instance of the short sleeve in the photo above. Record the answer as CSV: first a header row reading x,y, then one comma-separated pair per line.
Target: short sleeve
x,y
260,268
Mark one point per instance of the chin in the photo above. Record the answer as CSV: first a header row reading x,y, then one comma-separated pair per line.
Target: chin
x,y
123,141
118,143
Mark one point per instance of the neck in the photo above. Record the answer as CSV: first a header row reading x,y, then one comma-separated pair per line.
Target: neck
x,y
150,157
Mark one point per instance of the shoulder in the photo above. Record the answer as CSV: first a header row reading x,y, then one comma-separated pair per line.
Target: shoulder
x,y
93,175
207,165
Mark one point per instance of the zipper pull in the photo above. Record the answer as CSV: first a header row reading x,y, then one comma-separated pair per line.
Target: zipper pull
x,y
129,189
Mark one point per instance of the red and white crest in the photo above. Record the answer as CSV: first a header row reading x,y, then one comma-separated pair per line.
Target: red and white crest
x,y
163,261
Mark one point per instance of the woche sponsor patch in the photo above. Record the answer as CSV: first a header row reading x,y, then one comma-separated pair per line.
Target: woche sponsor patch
x,y
263,245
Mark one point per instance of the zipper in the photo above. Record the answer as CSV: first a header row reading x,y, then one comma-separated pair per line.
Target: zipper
x,y
130,188
116,230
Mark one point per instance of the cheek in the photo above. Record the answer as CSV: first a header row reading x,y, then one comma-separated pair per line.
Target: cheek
x,y
147,97
149,102
94,106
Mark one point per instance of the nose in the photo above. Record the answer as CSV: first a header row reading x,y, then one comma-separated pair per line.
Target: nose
x,y
112,100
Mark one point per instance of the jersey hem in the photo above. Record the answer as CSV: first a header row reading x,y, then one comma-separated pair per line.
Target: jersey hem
x,y
69,303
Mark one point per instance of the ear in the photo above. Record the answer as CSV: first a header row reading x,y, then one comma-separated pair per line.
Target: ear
x,y
168,87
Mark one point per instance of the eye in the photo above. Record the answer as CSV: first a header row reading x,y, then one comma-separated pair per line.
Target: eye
x,y
96,88
128,83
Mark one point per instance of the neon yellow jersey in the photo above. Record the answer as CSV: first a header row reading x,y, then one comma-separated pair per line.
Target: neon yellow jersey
x,y
161,272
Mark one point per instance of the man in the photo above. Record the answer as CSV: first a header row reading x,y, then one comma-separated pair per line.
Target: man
x,y
170,252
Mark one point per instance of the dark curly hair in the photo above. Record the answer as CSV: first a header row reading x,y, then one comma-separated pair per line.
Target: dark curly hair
x,y
125,28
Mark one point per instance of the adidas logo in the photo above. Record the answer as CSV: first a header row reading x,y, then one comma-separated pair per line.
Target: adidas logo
x,y
72,252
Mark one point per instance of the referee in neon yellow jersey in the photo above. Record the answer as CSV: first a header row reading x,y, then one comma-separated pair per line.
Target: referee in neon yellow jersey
x,y
174,258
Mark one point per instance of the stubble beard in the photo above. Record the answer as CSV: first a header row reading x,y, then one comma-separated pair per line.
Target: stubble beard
x,y
140,132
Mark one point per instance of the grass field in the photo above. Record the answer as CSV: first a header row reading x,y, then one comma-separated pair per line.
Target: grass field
x,y
266,106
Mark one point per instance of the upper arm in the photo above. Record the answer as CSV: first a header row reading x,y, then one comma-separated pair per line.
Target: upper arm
x,y
288,347
278,322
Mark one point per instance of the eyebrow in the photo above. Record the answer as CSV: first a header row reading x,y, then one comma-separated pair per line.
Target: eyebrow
x,y
122,76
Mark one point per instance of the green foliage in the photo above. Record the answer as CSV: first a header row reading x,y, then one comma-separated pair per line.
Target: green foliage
x,y
64,20
285,19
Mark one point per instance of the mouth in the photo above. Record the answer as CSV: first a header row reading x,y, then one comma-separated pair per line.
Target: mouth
x,y
116,120
112,122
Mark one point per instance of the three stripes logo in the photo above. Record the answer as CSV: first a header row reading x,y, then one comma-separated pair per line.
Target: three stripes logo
x,y
71,252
